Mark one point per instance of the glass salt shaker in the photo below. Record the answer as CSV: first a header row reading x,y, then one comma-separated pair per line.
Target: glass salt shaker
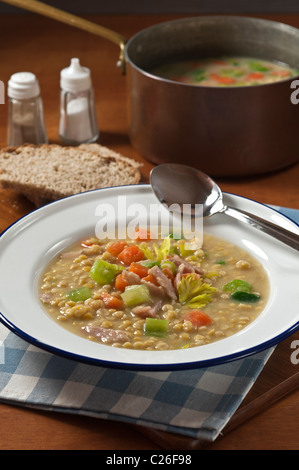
x,y
78,120
25,111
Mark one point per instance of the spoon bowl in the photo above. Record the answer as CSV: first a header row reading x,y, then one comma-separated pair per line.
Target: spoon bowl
x,y
189,187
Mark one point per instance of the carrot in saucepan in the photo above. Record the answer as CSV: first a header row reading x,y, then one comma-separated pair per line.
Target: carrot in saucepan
x,y
281,73
255,76
223,80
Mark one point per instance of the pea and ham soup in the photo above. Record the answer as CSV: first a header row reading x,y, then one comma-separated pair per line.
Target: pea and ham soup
x,y
225,71
154,294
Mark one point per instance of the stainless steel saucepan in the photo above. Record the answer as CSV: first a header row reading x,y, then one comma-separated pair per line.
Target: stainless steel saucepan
x,y
221,131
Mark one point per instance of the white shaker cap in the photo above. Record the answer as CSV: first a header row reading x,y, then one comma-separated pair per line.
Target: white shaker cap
x,y
23,85
75,78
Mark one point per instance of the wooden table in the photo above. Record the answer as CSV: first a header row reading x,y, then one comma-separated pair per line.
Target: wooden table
x,y
269,416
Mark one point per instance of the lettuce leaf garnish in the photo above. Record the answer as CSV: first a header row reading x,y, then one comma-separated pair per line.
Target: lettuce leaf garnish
x,y
194,292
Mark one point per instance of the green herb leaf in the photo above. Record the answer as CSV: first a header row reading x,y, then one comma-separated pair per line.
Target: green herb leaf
x,y
149,253
194,292
241,296
258,67
159,252
237,285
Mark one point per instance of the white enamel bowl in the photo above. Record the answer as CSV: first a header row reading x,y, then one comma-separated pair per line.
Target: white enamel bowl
x,y
28,246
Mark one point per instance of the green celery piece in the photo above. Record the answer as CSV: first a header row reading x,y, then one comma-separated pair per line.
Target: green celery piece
x,y
156,327
184,251
232,73
198,75
193,292
258,67
242,296
80,294
170,265
232,61
198,72
135,295
103,272
239,73
221,261
237,285
148,263
200,78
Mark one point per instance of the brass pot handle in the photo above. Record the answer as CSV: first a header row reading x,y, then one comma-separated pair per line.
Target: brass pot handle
x,y
73,20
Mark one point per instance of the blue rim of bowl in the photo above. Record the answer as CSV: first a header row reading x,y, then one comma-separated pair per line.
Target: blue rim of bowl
x,y
147,367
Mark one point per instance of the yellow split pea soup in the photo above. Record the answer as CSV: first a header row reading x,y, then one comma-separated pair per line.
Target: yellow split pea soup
x,y
225,71
154,294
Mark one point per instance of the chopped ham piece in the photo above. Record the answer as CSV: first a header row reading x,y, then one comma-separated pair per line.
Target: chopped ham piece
x,y
130,277
163,281
182,269
144,311
177,260
107,335
154,290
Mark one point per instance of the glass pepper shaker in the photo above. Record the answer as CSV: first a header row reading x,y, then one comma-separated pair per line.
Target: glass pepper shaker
x,y
78,120
25,111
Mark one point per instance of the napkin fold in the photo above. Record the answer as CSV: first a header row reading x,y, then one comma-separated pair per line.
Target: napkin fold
x,y
197,403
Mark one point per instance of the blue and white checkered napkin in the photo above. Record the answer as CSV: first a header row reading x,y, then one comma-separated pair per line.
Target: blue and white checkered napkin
x,y
196,403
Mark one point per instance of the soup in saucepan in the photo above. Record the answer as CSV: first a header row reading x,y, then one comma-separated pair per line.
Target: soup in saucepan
x,y
154,294
225,71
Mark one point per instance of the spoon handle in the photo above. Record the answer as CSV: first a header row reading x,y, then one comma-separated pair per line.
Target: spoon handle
x,y
280,233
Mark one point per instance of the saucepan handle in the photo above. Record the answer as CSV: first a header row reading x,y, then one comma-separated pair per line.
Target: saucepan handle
x,y
73,20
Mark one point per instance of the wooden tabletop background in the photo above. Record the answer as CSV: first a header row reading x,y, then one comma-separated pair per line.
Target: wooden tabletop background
x,y
44,47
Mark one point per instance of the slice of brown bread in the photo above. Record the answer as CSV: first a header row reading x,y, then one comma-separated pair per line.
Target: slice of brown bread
x,y
44,173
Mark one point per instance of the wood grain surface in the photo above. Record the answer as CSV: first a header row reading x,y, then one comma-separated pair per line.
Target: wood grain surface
x,y
268,418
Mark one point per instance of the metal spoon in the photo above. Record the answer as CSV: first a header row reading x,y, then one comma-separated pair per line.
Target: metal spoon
x,y
181,184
